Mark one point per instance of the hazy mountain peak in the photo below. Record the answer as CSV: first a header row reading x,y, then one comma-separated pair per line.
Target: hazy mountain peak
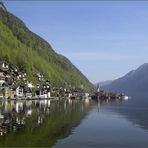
x,y
143,66
134,81
131,73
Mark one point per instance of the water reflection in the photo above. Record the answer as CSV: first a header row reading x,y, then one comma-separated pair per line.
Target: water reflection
x,y
135,109
42,122
13,114
26,122
104,127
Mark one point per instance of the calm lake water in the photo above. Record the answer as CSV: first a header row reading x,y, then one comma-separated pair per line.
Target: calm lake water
x,y
73,123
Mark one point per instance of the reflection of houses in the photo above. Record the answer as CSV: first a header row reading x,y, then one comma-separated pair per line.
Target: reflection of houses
x,y
7,107
87,101
19,107
43,103
2,78
29,112
14,114
1,118
40,120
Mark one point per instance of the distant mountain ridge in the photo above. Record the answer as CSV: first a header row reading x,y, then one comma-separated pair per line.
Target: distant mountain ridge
x,y
134,81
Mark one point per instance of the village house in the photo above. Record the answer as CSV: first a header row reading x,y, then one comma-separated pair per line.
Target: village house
x,y
4,66
47,90
9,80
39,76
28,89
13,68
43,91
38,91
21,75
30,85
19,92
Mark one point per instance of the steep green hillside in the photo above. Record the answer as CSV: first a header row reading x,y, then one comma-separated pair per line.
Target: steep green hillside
x,y
18,45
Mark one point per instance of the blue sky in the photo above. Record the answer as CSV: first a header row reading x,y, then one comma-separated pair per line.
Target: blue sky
x,y
104,40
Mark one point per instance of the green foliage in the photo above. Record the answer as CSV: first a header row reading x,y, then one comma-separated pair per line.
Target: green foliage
x,y
20,46
57,125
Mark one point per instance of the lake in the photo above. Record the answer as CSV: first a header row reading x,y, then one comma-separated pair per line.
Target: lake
x,y
73,123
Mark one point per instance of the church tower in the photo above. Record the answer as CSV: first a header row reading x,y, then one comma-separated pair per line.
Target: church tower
x,y
98,87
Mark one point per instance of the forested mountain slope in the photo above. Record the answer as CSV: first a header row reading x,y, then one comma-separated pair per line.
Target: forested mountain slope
x,y
20,46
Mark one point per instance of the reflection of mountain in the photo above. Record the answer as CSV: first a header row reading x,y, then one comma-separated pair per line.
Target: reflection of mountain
x,y
45,124
137,116
135,84
135,111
